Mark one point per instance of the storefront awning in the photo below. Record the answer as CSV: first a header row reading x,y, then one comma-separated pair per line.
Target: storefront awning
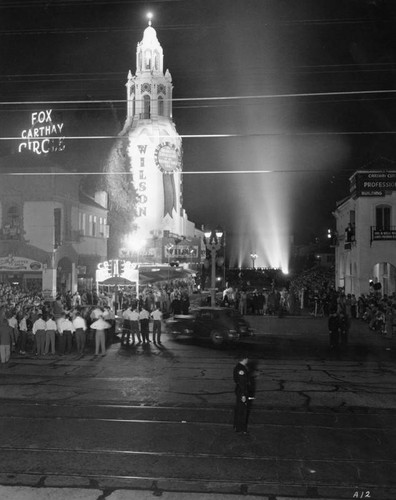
x,y
117,280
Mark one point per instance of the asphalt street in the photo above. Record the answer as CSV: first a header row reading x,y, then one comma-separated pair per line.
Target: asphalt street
x,y
157,421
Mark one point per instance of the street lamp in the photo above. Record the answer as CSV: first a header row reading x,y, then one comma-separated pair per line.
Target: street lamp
x,y
168,247
191,252
253,256
212,240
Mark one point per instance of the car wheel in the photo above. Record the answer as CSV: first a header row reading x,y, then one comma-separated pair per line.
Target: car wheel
x,y
216,337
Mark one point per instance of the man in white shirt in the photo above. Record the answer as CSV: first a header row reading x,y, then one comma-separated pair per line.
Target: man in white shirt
x,y
100,326
134,318
38,330
23,333
96,313
144,318
80,327
65,329
50,331
126,327
109,316
157,317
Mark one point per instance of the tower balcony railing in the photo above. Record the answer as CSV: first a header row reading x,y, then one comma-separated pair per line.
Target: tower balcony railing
x,y
382,233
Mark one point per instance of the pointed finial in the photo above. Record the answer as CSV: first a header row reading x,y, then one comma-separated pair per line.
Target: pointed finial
x,y
149,17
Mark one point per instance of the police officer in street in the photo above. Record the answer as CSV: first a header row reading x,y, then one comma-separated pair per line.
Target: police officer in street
x,y
242,392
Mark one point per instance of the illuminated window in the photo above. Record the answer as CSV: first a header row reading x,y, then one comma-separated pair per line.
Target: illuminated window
x,y
383,217
102,223
147,58
90,225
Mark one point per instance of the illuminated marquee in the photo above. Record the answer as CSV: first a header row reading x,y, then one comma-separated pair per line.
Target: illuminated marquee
x,y
188,251
116,268
44,135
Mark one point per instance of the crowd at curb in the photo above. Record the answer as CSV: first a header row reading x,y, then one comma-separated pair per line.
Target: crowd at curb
x,y
31,325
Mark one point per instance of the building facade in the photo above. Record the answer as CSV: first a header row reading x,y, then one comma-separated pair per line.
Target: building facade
x,y
365,246
52,235
156,158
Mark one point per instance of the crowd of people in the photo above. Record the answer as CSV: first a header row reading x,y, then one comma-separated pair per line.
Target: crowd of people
x,y
30,324
314,292
261,301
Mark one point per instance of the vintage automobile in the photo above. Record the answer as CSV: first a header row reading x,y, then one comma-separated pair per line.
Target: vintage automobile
x,y
219,325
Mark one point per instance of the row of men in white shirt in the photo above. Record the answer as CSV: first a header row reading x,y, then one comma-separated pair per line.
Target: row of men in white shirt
x,y
61,325
134,314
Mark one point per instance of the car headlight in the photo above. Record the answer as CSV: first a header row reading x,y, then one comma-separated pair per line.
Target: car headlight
x,y
233,334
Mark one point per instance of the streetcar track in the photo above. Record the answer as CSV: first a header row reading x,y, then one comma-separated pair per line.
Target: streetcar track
x,y
192,455
351,411
189,422
231,483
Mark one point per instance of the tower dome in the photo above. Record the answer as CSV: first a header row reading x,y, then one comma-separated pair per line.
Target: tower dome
x,y
149,35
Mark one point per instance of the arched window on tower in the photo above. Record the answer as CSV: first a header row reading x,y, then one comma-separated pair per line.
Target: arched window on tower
x,y
147,59
146,107
160,106
383,217
140,61
156,60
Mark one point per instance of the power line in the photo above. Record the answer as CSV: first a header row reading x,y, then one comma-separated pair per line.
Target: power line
x,y
213,98
196,172
203,106
74,3
204,136
343,66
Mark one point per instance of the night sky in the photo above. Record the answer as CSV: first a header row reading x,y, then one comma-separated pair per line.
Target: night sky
x,y
294,83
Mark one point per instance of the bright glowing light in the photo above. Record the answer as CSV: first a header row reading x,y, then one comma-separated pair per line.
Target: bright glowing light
x,y
132,242
149,17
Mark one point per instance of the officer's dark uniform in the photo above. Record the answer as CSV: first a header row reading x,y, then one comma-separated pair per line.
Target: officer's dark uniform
x,y
242,383
334,327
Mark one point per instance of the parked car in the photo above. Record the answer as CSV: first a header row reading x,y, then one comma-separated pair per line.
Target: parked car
x,y
219,325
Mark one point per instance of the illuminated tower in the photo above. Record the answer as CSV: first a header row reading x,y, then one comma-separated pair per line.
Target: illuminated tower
x,y
154,146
